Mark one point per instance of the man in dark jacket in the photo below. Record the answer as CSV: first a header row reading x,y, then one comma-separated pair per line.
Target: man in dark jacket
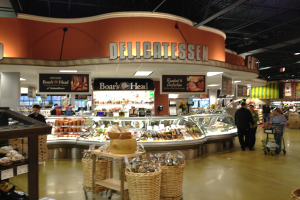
x,y
36,115
243,119
266,112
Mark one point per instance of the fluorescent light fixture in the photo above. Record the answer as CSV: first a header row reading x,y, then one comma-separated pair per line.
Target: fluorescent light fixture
x,y
263,68
143,73
69,71
213,73
22,79
212,85
297,54
237,81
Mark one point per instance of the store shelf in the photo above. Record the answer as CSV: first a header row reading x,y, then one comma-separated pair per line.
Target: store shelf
x,y
69,126
112,183
131,104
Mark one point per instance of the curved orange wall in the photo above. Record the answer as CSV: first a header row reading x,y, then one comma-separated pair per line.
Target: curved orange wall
x,y
234,59
42,40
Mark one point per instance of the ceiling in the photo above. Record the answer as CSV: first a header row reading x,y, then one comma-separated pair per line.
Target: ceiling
x,y
127,71
266,29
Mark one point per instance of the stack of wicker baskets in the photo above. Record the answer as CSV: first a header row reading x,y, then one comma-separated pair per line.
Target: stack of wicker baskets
x,y
295,195
145,186
102,173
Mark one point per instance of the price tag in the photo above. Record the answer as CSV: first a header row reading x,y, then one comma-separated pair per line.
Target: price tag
x,y
92,146
149,128
156,128
22,169
173,126
5,174
162,126
126,160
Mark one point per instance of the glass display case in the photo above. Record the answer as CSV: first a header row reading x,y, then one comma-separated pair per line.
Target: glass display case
x,y
216,125
149,131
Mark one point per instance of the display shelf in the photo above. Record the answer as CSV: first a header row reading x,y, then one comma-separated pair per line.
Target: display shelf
x,y
116,156
130,104
69,126
15,167
112,183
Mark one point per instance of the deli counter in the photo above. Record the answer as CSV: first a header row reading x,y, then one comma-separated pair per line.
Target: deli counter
x,y
194,135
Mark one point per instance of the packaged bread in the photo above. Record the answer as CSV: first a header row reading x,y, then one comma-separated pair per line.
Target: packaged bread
x,y
57,122
78,122
70,122
61,122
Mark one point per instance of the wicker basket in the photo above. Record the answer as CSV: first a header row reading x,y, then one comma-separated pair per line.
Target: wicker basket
x,y
171,182
295,195
144,186
101,173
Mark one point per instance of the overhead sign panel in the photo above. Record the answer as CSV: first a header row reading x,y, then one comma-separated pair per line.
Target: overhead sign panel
x,y
64,83
183,84
122,84
226,88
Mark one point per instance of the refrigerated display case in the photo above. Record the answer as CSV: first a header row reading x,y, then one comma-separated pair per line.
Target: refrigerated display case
x,y
185,133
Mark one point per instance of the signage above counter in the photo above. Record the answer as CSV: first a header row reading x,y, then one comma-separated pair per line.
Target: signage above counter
x,y
183,84
241,91
64,83
226,88
123,84
190,51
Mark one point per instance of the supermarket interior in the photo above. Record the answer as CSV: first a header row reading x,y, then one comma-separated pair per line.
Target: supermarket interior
x,y
99,101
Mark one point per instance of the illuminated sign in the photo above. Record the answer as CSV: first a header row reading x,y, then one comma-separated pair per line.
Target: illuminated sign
x,y
156,48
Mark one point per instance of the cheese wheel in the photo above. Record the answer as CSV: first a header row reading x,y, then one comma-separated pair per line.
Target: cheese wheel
x,y
78,122
70,122
61,122
123,146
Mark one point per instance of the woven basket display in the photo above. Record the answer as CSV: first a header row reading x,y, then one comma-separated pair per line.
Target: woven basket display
x,y
295,195
145,186
171,182
101,173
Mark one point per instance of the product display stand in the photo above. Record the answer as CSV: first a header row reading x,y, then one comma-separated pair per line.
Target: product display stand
x,y
31,128
112,183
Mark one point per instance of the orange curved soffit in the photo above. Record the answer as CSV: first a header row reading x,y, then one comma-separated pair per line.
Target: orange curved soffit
x,y
41,38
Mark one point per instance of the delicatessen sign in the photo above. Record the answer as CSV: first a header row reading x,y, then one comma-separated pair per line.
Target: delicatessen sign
x,y
123,84
190,51
64,83
184,84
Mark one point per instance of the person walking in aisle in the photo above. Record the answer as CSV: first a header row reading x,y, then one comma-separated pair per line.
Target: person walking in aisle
x,y
36,114
280,106
266,112
253,130
243,118
278,118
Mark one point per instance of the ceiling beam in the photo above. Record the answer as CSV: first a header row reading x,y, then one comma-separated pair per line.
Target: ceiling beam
x,y
270,44
225,10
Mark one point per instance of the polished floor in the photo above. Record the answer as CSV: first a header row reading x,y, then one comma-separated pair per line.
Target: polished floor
x,y
232,175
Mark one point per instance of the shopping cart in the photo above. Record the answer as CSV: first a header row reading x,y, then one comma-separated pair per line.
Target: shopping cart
x,y
269,144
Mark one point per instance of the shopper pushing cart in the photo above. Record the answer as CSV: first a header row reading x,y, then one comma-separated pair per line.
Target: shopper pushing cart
x,y
278,121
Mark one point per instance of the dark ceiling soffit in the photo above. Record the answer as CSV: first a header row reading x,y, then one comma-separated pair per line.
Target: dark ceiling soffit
x,y
270,44
225,10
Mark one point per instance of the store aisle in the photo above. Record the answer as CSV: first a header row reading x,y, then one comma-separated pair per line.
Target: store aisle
x,y
233,175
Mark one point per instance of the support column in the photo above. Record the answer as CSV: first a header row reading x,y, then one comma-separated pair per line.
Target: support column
x,y
212,97
72,99
10,90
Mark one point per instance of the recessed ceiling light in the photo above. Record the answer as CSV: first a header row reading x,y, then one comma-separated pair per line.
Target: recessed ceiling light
x,y
69,71
143,73
297,54
262,68
269,76
212,85
213,73
237,81
293,75
287,80
22,79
